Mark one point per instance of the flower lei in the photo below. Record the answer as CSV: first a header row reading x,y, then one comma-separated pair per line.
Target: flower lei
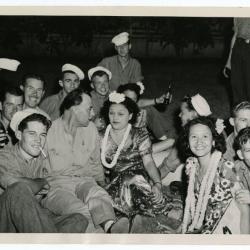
x,y
198,211
142,88
120,147
219,126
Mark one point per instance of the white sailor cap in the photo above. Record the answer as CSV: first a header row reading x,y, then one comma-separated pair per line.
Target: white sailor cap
x,y
21,115
75,69
120,39
200,105
9,64
99,68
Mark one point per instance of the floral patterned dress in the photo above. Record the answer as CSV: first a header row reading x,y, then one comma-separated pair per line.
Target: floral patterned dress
x,y
129,185
220,195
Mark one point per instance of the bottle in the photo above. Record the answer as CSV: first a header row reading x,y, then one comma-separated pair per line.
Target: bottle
x,y
6,140
167,99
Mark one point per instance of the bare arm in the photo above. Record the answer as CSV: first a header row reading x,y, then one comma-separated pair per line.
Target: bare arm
x,y
228,63
150,102
154,176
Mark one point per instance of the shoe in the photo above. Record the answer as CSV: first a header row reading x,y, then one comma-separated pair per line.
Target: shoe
x,y
121,226
136,225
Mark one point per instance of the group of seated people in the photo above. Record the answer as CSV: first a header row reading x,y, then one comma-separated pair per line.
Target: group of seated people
x,y
80,162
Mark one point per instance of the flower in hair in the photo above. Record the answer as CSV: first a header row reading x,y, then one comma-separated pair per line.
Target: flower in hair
x,y
142,88
116,97
219,126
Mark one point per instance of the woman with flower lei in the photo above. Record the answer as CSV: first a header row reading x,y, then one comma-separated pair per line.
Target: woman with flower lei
x,y
148,115
149,118
135,185
212,181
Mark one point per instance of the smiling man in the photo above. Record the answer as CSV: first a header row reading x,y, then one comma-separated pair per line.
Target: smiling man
x,y
99,77
239,120
124,68
12,101
24,169
70,80
33,88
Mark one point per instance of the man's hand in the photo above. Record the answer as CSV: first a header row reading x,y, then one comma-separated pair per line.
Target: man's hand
x,y
227,70
243,196
163,98
160,99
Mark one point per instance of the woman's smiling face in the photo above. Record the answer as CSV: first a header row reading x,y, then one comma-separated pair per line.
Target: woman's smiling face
x,y
200,140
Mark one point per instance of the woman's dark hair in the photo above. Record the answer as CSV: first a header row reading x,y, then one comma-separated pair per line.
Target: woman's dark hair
x,y
130,86
187,100
129,104
34,118
72,99
183,140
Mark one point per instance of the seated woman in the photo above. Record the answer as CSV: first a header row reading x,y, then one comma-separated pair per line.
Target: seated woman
x,y
210,206
135,185
148,119
190,108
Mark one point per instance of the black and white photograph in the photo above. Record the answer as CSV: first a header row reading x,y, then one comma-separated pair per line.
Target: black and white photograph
x,y
122,125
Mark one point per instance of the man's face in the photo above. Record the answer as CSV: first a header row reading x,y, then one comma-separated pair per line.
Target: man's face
x,y
84,111
244,153
69,82
32,139
11,105
33,92
123,50
241,120
100,84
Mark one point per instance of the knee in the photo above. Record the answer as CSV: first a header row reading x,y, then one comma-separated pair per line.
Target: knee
x,y
80,223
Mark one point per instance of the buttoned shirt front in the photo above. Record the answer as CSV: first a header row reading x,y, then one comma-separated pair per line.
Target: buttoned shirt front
x,y
78,156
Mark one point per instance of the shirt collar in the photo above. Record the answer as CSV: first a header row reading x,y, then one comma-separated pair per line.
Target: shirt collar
x,y
19,154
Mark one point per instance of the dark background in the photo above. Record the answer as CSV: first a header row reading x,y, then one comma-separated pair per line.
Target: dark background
x,y
189,52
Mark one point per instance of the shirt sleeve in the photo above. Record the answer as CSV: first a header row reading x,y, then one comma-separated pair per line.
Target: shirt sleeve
x,y
95,162
103,63
8,173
